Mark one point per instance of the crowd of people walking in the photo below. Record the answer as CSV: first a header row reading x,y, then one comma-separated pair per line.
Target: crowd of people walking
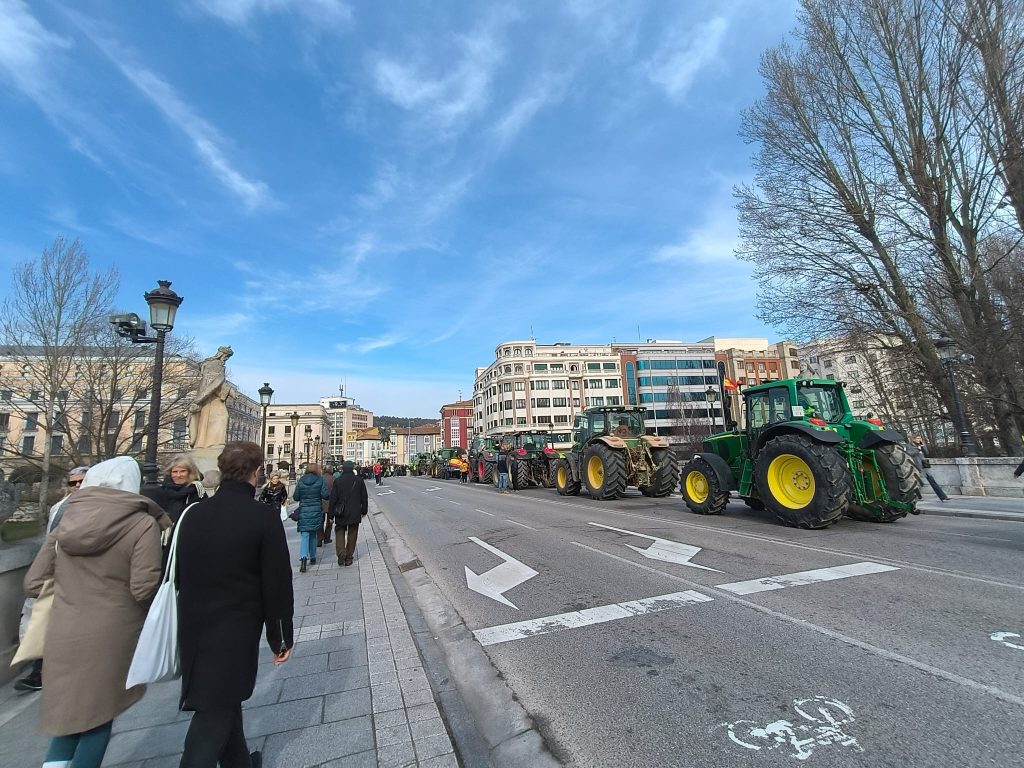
x,y
105,556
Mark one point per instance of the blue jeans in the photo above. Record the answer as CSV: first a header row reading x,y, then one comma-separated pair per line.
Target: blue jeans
x,y
80,750
502,481
307,544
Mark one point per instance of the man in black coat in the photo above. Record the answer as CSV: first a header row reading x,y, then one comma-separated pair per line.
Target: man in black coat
x,y
234,578
348,505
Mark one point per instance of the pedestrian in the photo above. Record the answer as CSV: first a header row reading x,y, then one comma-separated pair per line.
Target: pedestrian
x,y
227,597
104,559
502,469
377,473
274,493
463,471
919,453
348,505
181,486
310,491
325,534
33,681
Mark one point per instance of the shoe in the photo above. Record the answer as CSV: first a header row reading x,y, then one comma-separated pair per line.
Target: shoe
x,y
341,560
944,500
256,759
30,682
312,561
302,566
348,561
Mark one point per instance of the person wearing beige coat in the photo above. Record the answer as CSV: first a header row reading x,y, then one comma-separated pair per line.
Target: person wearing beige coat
x,y
104,559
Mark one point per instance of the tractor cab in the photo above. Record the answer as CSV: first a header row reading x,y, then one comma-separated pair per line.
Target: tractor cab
x,y
618,421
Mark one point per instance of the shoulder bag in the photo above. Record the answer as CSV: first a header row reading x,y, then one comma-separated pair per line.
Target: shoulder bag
x,y
31,645
156,655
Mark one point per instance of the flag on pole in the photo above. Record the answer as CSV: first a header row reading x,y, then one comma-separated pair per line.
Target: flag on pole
x,y
728,383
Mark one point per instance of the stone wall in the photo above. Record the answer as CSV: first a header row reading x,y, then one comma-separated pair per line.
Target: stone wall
x,y
15,558
978,476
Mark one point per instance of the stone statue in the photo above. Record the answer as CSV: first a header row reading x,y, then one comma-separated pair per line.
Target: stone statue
x,y
208,415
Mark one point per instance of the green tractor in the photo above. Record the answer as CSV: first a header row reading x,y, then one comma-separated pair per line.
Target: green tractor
x,y
611,451
421,463
532,458
806,458
442,466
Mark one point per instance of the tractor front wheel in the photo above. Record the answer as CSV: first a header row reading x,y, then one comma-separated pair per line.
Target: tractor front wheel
x,y
701,490
604,472
665,476
520,475
564,483
484,471
804,483
902,483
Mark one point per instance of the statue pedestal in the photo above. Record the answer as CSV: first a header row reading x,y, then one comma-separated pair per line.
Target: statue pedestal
x,y
206,459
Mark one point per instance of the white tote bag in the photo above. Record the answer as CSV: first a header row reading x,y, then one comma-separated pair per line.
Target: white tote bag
x,y
156,655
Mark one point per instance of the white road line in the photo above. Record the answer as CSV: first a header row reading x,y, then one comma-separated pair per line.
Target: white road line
x,y
514,522
482,512
884,653
457,503
563,621
770,583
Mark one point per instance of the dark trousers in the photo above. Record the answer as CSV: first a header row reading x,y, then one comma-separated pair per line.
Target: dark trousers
x,y
215,736
935,486
345,540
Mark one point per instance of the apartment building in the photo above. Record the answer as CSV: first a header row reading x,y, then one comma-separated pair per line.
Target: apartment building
x,y
306,440
425,438
850,363
457,424
344,417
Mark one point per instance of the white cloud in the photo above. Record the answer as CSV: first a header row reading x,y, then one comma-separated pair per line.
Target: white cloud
x,y
522,111
206,140
241,12
713,240
676,64
26,47
442,102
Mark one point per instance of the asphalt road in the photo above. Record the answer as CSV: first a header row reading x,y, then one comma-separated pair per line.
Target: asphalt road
x,y
909,655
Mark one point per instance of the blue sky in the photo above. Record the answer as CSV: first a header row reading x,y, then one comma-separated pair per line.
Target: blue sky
x,y
380,193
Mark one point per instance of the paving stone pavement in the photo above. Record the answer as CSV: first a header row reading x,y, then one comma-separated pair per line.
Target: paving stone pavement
x,y
353,694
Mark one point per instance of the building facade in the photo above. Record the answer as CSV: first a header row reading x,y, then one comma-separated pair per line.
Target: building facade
x,y
344,417
457,424
306,441
425,438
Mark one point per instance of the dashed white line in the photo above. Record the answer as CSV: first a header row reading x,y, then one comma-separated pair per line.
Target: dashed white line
x,y
484,512
516,522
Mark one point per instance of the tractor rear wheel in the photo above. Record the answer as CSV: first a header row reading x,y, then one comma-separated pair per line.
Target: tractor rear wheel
x,y
701,490
520,475
564,483
604,471
665,476
484,471
806,484
902,482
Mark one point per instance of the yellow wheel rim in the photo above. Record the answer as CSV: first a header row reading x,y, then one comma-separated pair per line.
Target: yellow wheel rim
x,y
595,472
560,477
791,481
697,487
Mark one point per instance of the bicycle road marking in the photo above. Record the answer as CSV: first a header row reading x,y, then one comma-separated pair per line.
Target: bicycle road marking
x,y
922,666
1004,638
823,721
504,633
770,583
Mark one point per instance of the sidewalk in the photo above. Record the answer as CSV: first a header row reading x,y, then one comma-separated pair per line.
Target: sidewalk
x,y
981,507
353,694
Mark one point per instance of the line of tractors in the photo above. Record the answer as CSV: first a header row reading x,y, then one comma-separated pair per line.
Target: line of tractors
x,y
802,455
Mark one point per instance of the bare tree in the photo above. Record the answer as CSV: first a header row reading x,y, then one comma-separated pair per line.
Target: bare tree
x,y
54,307
876,195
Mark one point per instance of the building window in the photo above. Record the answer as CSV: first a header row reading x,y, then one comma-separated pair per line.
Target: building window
x,y
614,400
595,384
31,422
270,429
593,366
850,359
541,402
560,402
57,444
521,403
287,429
521,421
540,384
140,421
611,383
520,386
542,366
827,363
6,394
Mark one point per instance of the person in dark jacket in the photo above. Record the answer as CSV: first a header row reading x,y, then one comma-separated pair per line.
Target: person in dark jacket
x,y
226,597
502,469
180,487
325,535
274,493
919,453
310,491
348,505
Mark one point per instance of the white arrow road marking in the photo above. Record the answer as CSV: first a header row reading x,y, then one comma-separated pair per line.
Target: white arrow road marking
x,y
663,549
434,488
770,583
501,578
384,493
1004,638
543,626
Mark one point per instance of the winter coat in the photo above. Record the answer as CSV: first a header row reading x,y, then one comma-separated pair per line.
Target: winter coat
x,y
348,499
227,595
917,455
275,497
105,561
310,491
175,498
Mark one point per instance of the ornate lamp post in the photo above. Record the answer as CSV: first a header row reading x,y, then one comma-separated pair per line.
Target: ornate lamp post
x,y
294,418
265,394
316,449
712,396
163,306
309,439
949,355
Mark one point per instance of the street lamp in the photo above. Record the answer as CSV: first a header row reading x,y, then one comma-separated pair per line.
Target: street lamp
x,y
294,418
316,449
163,307
265,394
309,439
949,355
712,395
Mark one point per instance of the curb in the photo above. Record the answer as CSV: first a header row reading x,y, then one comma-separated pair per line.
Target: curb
x,y
974,513
508,731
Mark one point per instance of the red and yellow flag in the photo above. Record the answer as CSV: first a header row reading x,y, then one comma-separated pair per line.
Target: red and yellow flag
x,y
728,383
